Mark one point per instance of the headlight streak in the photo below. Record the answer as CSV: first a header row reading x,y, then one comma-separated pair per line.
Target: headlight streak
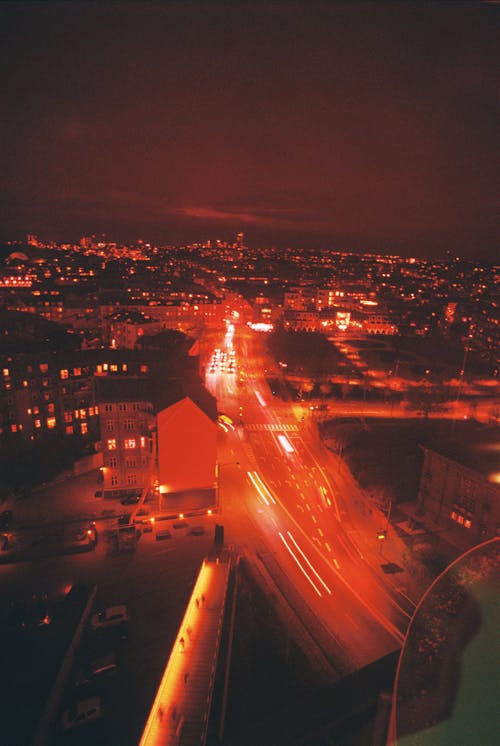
x,y
264,488
285,443
260,399
254,478
306,575
312,568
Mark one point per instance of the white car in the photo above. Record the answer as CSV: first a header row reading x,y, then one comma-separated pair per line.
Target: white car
x,y
85,711
113,616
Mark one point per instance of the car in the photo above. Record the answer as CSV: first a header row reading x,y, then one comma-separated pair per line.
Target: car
x,y
82,712
112,616
197,531
6,517
130,500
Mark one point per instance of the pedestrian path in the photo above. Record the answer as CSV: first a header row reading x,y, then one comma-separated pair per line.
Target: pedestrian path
x,y
181,708
273,427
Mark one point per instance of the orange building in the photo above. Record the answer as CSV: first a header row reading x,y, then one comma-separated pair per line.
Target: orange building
x,y
187,448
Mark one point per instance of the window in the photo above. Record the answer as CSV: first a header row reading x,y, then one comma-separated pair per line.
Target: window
x,y
83,414
111,444
122,407
113,368
44,367
143,441
51,408
51,422
130,462
114,480
108,407
128,425
91,411
25,384
124,367
6,372
36,410
110,426
45,382
68,417
38,423
113,462
77,414
13,428
84,428
131,479
69,429
144,368
129,443
64,373
77,371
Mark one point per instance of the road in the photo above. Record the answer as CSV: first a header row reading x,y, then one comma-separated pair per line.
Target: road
x,y
279,495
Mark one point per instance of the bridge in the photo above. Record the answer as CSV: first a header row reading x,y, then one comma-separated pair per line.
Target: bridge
x,y
180,712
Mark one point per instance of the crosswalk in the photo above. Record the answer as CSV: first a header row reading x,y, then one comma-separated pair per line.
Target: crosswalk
x,y
273,427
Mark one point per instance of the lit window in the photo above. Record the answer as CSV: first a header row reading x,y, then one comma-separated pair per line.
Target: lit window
x,y
63,373
467,523
25,384
460,519
105,366
6,372
51,408
143,441
44,367
99,368
113,368
28,411
83,414
144,368
77,414
453,515
129,443
13,428
38,423
111,444
124,367
84,428
96,410
91,411
36,410
68,417
51,422
69,429
77,371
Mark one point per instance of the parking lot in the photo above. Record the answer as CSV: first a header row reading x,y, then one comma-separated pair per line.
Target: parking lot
x,y
153,579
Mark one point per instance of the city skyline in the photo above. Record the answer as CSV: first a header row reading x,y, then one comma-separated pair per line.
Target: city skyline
x,y
355,127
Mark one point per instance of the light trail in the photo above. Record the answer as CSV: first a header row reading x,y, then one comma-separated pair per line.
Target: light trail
x,y
293,555
285,444
260,399
264,487
261,488
310,565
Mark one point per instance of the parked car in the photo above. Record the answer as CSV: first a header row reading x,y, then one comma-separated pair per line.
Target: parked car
x,y
108,618
82,712
6,517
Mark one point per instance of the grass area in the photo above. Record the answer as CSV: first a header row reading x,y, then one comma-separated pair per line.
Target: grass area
x,y
384,454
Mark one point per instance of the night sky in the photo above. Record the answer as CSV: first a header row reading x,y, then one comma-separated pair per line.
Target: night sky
x,y
345,125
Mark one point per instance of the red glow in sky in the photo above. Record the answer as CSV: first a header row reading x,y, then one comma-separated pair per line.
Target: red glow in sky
x,y
347,125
